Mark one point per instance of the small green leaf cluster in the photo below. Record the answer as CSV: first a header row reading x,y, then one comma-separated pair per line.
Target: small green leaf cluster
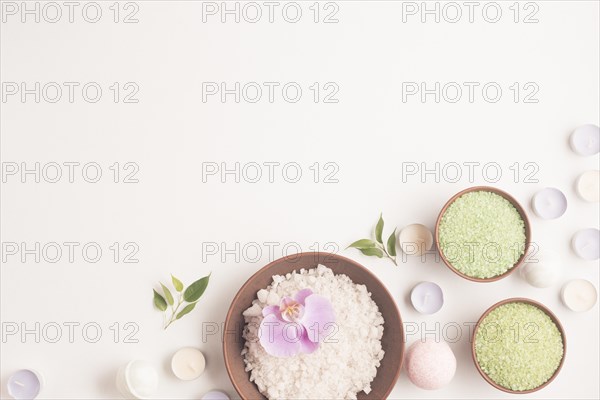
x,y
376,247
166,302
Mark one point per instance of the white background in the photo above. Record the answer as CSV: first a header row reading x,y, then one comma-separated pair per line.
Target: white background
x,y
369,133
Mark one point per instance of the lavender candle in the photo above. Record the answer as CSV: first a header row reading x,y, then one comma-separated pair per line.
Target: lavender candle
x,y
24,384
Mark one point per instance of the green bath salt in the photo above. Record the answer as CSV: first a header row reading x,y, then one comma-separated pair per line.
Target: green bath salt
x,y
482,234
518,346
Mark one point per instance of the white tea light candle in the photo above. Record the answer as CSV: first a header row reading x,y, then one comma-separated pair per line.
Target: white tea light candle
x,y
579,295
415,239
586,244
138,379
188,363
588,186
585,140
24,384
215,395
549,203
427,298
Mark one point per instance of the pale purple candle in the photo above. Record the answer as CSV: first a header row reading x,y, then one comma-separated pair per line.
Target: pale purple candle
x,y
586,244
24,384
215,395
585,140
427,298
549,203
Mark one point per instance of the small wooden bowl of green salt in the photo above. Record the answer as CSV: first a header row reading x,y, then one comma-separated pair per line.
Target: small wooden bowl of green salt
x,y
482,234
519,346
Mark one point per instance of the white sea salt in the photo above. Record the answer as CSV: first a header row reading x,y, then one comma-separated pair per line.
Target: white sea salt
x,y
347,359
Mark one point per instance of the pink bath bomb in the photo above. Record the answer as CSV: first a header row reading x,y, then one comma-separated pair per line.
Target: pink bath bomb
x,y
430,365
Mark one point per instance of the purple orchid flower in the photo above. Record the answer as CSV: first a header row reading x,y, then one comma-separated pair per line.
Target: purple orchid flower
x,y
296,325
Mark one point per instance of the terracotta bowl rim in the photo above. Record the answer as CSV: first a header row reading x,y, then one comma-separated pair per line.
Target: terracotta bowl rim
x,y
316,254
554,319
519,208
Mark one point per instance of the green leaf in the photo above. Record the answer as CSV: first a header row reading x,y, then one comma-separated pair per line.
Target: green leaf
x,y
186,310
363,244
391,244
379,229
177,284
374,251
159,301
167,293
196,289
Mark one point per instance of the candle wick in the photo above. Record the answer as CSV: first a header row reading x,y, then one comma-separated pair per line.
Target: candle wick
x,y
192,367
19,384
426,299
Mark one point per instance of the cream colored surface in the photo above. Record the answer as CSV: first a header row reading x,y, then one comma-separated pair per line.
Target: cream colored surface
x,y
368,134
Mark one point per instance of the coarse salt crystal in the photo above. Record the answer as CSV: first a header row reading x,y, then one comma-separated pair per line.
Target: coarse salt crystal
x,y
272,299
253,311
262,295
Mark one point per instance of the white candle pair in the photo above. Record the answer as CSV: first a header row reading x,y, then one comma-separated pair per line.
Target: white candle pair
x,y
139,379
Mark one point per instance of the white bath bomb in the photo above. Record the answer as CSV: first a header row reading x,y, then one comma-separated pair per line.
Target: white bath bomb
x,y
542,268
430,365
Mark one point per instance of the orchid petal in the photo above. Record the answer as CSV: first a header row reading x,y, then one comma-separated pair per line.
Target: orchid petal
x,y
286,302
278,338
306,345
302,295
270,310
318,316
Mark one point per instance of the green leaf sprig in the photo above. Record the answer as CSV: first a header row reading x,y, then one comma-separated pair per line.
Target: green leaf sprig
x,y
376,247
189,295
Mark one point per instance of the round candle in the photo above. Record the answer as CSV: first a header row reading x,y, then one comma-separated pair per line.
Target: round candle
x,y
579,295
138,379
188,363
415,239
215,395
585,140
542,269
549,203
24,384
588,186
586,244
427,298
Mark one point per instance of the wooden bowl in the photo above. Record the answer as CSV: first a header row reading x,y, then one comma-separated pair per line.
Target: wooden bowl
x,y
552,317
514,202
393,333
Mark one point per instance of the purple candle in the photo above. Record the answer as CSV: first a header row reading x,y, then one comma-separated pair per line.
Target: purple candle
x,y
215,395
24,384
586,244
549,203
585,140
427,298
